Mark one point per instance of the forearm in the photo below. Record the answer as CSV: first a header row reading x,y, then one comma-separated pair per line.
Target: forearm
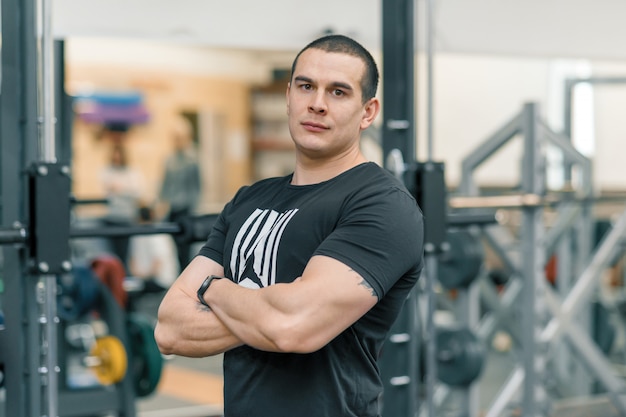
x,y
301,316
261,321
187,328
184,326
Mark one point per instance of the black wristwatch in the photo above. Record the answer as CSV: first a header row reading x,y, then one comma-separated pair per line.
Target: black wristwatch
x,y
205,286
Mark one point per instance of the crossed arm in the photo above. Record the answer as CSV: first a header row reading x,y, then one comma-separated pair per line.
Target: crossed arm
x,y
184,326
302,316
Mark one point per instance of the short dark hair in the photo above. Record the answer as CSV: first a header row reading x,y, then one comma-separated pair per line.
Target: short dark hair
x,y
346,45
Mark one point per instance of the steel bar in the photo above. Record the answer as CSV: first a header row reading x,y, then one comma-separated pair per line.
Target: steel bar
x,y
499,201
21,235
475,218
564,144
532,234
502,241
398,77
430,23
131,230
486,150
499,310
193,229
568,93
604,255
9,236
18,133
513,201
47,117
399,133
573,155
597,363
582,290
429,334
441,393
569,213
507,393
87,201
47,153
50,343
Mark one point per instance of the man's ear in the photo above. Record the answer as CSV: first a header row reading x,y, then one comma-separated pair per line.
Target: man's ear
x,y
370,112
287,96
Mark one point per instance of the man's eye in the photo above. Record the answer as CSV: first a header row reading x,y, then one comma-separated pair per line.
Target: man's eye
x,y
338,92
306,86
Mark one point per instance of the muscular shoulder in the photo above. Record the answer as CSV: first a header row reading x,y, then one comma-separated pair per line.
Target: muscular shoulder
x,y
376,185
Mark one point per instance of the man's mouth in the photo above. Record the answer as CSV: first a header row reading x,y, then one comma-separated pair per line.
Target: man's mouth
x,y
314,127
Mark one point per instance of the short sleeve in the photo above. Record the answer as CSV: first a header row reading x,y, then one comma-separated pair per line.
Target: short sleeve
x,y
380,236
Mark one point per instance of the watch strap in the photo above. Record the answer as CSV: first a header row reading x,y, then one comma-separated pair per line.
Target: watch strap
x,y
205,286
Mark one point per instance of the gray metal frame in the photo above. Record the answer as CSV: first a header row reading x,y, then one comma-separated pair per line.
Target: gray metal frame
x,y
547,314
28,152
399,363
568,99
18,112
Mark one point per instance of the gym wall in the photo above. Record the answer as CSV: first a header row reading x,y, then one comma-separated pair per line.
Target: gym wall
x,y
474,96
172,80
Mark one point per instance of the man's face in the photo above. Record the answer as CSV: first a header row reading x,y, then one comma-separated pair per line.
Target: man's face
x,y
325,104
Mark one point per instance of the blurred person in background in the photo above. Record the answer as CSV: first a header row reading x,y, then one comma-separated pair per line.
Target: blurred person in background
x,y
122,185
152,258
181,186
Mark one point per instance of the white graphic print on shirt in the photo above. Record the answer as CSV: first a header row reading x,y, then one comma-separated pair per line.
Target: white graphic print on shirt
x,y
253,259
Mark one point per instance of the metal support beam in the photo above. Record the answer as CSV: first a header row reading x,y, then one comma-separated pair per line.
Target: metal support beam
x,y
399,363
534,401
18,139
398,78
498,139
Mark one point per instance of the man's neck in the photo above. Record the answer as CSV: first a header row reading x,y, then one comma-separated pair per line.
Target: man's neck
x,y
309,172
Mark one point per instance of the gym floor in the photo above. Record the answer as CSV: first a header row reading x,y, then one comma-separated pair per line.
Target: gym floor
x,y
188,388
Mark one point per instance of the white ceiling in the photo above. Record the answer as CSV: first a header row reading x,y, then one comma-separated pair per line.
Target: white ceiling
x,y
593,29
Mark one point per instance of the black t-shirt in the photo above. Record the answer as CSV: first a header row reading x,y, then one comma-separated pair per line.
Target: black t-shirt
x,y
364,218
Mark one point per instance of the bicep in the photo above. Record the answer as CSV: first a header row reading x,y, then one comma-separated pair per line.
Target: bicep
x,y
333,297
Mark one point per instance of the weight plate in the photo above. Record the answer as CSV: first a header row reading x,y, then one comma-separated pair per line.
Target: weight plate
x,y
461,263
77,293
460,356
146,359
109,360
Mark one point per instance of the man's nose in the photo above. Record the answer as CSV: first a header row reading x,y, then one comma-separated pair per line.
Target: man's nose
x,y
318,103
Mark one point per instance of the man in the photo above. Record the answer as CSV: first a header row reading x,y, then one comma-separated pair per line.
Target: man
x,y
318,263
181,185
